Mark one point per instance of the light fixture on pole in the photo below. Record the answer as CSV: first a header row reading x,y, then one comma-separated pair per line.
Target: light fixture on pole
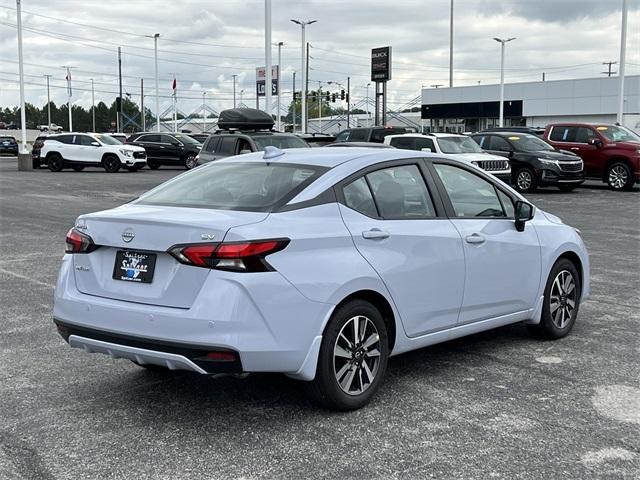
x,y
502,42
303,25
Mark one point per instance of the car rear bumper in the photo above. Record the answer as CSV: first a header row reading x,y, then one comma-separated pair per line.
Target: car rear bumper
x,y
266,321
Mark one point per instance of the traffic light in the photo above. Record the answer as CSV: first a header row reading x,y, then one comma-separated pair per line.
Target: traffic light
x,y
333,97
341,94
328,96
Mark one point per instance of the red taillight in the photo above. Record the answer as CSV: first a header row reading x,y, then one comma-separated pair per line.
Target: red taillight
x,y
233,256
221,356
79,242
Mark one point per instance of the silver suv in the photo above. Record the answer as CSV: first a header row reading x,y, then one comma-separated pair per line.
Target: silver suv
x,y
227,143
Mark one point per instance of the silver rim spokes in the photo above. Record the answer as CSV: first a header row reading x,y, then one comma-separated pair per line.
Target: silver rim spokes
x,y
524,180
563,299
356,355
617,177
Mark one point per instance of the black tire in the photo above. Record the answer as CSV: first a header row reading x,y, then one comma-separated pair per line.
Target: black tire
x,y
619,176
111,164
55,162
339,361
567,188
135,168
78,168
190,161
35,164
554,323
525,180
153,165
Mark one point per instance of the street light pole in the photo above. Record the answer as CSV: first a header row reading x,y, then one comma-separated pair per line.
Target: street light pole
x,y
451,46
155,61
303,69
267,57
623,51
23,117
502,44
49,102
367,102
93,107
234,90
280,44
204,113
69,93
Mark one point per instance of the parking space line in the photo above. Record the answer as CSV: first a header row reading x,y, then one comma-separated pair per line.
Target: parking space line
x,y
31,280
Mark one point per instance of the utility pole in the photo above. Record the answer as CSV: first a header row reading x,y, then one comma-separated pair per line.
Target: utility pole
x,y
293,104
608,73
23,116
234,90
304,71
119,119
280,44
267,57
155,59
69,94
367,102
623,52
451,46
348,101
174,96
142,113
543,77
93,108
502,44
319,98
204,113
49,101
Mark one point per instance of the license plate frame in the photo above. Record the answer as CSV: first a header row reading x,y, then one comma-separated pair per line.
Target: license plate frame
x,y
134,266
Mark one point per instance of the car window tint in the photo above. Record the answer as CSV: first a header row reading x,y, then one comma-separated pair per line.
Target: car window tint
x,y
400,192
498,143
584,134
211,144
167,139
482,141
359,135
227,146
424,143
406,143
150,138
564,134
83,140
357,195
470,195
68,139
507,204
343,136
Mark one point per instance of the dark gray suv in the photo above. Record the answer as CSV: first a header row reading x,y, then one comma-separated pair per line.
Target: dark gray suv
x,y
225,143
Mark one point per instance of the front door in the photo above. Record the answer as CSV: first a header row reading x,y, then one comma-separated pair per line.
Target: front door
x,y
502,265
418,255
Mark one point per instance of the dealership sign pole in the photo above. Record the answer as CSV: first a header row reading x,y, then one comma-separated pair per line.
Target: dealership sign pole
x,y
623,51
267,54
23,117
380,74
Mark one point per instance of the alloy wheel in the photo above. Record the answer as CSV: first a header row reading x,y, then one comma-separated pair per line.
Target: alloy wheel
x,y
356,355
524,180
190,162
618,177
562,301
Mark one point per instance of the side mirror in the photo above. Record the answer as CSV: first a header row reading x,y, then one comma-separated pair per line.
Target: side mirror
x,y
523,213
95,144
596,142
426,149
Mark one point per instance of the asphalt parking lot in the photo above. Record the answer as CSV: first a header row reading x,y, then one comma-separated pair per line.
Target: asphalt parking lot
x,y
494,405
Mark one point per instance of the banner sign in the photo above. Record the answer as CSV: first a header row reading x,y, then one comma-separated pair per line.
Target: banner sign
x,y
381,64
261,80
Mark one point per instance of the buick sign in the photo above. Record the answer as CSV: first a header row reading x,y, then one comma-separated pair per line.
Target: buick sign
x,y
381,64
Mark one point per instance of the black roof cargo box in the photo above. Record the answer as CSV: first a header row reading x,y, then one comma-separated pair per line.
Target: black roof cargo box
x,y
245,119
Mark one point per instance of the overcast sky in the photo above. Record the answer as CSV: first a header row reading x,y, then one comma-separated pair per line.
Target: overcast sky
x,y
205,42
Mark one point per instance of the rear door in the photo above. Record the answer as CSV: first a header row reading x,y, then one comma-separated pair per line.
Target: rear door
x,y
502,273
575,139
171,149
150,143
395,226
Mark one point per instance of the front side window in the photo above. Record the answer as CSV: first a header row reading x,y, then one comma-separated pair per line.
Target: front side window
x,y
211,144
149,138
422,143
187,139
618,134
584,134
498,143
108,140
529,143
470,195
227,146
406,143
343,136
357,136
84,140
247,186
507,204
167,139
400,192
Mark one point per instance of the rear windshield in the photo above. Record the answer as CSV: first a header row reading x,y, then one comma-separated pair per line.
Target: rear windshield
x,y
255,187
280,141
11,139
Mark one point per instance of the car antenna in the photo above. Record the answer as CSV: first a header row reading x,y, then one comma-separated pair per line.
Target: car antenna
x,y
272,152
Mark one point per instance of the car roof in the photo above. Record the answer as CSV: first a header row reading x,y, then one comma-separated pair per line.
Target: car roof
x,y
327,156
506,133
427,135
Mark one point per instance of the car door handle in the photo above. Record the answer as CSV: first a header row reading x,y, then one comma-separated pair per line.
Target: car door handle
x,y
475,238
575,148
375,233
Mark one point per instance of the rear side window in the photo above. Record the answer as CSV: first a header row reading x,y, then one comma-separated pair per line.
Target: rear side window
x,y
247,186
358,197
212,144
149,138
68,139
584,134
563,134
400,192
357,135
227,146
425,143
498,143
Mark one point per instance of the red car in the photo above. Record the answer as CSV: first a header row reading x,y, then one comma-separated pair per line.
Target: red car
x,y
610,153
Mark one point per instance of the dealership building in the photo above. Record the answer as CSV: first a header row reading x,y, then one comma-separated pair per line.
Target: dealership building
x,y
535,104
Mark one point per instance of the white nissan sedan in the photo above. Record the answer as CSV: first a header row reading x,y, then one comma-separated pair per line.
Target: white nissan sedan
x,y
317,263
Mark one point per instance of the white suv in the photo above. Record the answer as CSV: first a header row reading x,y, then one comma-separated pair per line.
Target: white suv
x,y
458,147
79,150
